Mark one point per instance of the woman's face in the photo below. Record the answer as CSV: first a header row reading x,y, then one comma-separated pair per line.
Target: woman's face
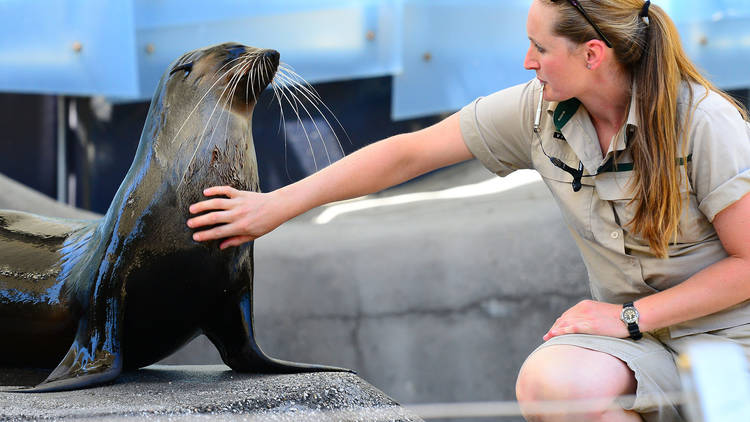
x,y
558,63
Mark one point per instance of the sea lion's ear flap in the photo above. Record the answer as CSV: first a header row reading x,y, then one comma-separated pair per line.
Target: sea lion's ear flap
x,y
187,67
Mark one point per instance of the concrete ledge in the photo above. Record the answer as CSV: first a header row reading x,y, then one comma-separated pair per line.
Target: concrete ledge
x,y
205,392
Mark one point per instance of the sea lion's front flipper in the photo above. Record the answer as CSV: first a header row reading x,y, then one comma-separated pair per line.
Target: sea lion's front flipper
x,y
95,356
232,332
76,371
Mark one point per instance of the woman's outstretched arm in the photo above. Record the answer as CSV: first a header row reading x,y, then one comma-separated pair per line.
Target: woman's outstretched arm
x,y
244,216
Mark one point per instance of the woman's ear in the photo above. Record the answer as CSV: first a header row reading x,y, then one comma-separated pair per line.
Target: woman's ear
x,y
594,53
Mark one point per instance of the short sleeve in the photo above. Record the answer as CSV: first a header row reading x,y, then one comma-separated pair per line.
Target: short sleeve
x,y
720,141
497,129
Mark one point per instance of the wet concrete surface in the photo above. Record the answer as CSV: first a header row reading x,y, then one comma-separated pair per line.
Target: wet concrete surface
x,y
203,392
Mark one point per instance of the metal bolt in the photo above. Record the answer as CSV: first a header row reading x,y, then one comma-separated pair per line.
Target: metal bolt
x,y
150,48
77,46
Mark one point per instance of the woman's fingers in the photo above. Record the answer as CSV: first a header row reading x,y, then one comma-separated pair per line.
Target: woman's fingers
x,y
215,203
558,331
235,241
216,217
589,317
236,220
210,204
218,232
221,190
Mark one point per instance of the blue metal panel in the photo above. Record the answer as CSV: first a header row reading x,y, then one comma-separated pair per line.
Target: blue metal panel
x,y
689,11
443,53
40,38
455,51
478,46
126,45
322,40
716,36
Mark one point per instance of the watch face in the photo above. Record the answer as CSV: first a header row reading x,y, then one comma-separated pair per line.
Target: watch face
x,y
629,315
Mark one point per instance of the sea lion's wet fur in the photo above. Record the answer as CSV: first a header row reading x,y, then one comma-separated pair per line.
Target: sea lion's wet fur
x,y
96,297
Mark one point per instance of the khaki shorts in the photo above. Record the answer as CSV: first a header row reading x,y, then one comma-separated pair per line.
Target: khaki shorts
x,y
652,360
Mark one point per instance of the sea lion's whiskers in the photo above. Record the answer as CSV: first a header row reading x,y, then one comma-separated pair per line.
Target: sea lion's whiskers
x,y
298,80
285,68
230,89
233,82
249,83
300,83
218,79
198,103
247,88
314,104
249,66
268,76
308,93
282,124
218,102
303,84
284,90
325,147
303,92
255,78
282,120
203,133
295,79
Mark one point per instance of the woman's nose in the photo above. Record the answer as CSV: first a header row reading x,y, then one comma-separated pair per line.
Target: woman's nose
x,y
530,63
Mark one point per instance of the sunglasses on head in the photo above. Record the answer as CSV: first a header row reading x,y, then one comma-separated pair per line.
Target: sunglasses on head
x,y
578,7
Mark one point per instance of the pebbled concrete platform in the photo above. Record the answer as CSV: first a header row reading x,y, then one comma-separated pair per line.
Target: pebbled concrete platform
x,y
204,393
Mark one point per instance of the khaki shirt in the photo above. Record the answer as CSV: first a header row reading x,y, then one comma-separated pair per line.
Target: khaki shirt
x,y
498,129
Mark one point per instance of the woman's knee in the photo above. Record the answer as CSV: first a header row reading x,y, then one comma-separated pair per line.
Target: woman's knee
x,y
565,372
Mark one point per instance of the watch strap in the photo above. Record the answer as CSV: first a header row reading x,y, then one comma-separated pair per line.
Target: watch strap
x,y
633,329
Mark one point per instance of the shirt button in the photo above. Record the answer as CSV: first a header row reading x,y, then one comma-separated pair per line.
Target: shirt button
x,y
615,234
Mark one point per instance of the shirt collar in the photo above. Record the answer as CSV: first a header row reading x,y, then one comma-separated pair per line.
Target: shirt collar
x,y
632,121
568,108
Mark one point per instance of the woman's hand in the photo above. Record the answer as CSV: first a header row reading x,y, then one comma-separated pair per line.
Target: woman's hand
x,y
590,317
241,217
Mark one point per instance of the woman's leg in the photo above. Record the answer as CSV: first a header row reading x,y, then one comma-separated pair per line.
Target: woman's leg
x,y
563,372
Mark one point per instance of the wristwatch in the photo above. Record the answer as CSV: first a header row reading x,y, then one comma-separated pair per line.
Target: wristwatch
x,y
629,316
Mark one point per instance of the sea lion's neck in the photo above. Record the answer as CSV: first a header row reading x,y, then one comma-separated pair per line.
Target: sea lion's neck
x,y
166,178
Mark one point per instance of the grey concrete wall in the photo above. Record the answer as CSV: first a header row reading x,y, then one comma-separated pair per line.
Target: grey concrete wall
x,y
436,301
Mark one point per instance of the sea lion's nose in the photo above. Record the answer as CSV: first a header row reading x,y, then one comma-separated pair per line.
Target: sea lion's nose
x,y
272,55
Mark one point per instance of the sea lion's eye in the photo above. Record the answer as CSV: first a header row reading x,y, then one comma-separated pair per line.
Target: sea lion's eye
x,y
187,67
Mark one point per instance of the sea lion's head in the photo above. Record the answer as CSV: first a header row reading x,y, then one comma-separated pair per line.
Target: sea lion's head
x,y
200,116
233,74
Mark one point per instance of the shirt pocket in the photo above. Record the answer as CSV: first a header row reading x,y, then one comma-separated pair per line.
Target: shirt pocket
x,y
575,206
693,227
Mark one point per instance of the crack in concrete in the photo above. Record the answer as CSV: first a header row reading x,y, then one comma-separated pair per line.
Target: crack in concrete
x,y
491,306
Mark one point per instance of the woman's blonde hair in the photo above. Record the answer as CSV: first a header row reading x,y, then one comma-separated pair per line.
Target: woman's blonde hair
x,y
652,52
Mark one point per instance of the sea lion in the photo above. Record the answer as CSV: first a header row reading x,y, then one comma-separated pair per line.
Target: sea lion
x,y
101,296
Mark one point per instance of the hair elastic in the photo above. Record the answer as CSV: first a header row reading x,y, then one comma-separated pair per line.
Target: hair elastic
x,y
644,10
